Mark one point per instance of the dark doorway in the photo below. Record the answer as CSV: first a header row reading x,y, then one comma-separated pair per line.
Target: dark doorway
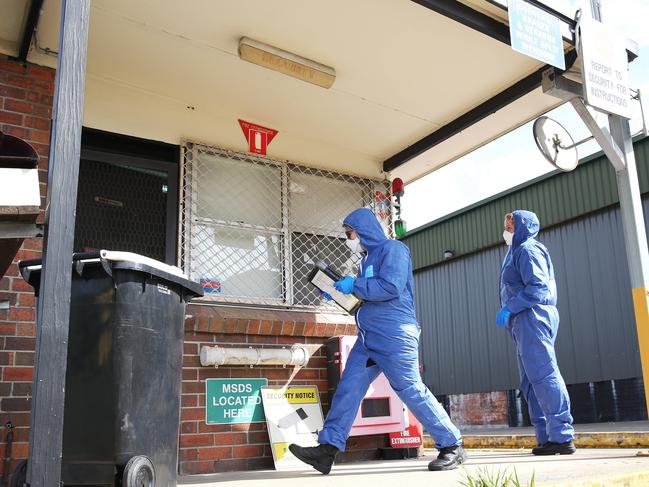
x,y
127,197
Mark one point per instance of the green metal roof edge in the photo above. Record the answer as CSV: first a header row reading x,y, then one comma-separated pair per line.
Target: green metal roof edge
x,y
510,191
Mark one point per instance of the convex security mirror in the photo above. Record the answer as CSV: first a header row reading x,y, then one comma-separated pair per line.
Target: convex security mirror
x,y
555,143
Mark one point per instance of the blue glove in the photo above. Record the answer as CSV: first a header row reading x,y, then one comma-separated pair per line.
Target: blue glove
x,y
503,317
345,285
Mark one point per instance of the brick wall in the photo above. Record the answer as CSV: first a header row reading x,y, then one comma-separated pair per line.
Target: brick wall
x,y
484,409
216,448
25,112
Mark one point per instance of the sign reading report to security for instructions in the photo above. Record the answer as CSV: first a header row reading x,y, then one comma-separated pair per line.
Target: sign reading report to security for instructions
x,y
293,415
535,33
230,401
604,69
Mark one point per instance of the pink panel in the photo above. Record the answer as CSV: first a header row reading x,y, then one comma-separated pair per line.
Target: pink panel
x,y
381,410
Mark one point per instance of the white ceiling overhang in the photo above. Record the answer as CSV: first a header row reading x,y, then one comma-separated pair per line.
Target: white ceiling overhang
x,y
13,19
169,71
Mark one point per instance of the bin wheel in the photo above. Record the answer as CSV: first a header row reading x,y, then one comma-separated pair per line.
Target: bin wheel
x,y
19,478
139,472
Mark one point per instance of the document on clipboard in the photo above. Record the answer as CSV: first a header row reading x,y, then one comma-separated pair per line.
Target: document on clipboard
x,y
323,277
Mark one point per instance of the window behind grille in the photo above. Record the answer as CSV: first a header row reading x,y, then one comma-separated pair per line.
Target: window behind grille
x,y
252,227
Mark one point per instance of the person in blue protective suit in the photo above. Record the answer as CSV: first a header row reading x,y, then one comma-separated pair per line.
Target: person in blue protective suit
x,y
388,342
528,296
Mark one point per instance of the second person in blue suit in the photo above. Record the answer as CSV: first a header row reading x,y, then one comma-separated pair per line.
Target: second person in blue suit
x,y
528,296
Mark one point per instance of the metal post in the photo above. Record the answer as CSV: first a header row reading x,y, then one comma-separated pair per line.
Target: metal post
x,y
46,434
635,237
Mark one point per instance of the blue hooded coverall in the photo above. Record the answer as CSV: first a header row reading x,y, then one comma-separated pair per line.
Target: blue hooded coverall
x,y
388,334
529,292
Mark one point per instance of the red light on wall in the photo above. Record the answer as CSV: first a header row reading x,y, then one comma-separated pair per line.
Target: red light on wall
x,y
397,187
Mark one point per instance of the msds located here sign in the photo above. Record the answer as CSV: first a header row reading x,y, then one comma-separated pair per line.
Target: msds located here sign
x,y
230,401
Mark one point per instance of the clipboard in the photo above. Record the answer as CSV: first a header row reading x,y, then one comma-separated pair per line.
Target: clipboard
x,y
323,277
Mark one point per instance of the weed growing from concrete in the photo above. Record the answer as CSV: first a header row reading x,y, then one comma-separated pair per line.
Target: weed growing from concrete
x,y
485,478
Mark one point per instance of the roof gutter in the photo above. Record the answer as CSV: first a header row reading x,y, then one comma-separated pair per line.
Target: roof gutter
x,y
469,17
30,25
473,116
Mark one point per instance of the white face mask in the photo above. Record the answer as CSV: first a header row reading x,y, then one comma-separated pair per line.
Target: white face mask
x,y
354,245
508,236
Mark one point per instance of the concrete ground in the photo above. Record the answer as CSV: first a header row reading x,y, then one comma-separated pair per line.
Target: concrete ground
x,y
587,468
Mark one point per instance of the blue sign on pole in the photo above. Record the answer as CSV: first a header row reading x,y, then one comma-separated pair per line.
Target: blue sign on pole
x,y
536,33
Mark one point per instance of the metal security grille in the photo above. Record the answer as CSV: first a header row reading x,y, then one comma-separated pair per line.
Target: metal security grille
x,y
121,207
252,227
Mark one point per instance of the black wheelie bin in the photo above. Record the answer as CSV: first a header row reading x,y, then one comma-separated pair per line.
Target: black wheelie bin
x,y
122,386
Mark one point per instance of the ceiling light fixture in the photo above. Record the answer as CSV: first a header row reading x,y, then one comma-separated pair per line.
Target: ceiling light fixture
x,y
286,62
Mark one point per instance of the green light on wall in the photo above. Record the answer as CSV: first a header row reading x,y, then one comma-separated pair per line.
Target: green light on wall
x,y
400,228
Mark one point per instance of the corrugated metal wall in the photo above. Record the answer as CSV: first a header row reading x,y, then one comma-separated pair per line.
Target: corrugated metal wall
x,y
462,349
555,198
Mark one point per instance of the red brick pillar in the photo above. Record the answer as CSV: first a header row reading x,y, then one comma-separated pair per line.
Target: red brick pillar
x,y
26,93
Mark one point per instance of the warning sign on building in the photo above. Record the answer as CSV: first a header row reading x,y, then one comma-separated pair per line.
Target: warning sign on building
x,y
230,401
258,137
535,33
293,415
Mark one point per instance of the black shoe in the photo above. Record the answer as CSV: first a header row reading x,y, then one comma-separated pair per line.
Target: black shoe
x,y
449,458
551,448
538,447
320,457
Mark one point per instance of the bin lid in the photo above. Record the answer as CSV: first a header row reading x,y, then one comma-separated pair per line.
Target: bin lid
x,y
119,256
119,260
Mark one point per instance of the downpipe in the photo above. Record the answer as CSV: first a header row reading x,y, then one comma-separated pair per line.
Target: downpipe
x,y
296,356
7,459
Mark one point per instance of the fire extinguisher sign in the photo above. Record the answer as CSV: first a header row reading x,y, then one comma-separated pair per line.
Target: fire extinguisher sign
x,y
258,137
412,436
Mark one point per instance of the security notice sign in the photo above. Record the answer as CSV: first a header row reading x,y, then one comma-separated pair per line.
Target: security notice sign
x,y
604,69
230,401
293,415
535,33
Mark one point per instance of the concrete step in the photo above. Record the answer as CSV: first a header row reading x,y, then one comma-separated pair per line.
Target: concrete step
x,y
596,435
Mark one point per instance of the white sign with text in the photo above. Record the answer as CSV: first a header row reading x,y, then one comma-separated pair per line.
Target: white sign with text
x,y
604,69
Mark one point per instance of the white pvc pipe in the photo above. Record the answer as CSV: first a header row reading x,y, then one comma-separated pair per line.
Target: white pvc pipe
x,y
297,355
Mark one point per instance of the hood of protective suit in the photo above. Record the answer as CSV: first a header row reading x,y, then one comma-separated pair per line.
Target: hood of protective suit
x,y
526,226
367,227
